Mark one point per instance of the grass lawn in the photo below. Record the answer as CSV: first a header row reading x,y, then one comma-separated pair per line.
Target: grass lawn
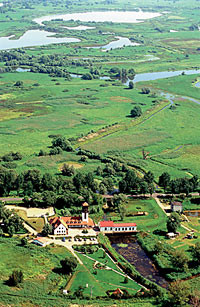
x,y
37,265
155,218
104,279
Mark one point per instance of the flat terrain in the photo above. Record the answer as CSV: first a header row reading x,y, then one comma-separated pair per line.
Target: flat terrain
x,y
47,105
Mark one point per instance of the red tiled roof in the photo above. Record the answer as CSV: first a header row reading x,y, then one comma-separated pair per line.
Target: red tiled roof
x,y
71,221
106,224
112,224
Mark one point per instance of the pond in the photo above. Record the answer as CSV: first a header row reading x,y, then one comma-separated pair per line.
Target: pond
x,y
128,247
197,84
119,43
102,16
34,38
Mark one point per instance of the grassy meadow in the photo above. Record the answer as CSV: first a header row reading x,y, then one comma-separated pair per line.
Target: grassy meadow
x,y
47,106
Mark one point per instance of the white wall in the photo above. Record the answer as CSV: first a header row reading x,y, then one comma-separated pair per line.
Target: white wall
x,y
60,230
118,229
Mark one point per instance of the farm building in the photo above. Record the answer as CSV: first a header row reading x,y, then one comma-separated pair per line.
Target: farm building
x,y
110,226
61,224
176,206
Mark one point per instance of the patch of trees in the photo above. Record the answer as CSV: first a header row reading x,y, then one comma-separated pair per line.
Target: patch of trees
x,y
11,156
135,185
10,222
122,74
179,185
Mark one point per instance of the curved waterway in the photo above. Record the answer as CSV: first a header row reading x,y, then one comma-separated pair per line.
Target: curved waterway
x,y
119,43
162,75
151,76
34,38
102,16
128,247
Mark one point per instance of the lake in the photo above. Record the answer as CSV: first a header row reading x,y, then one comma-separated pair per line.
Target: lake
x,y
34,38
104,16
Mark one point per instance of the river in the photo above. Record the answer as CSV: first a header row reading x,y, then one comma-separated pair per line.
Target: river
x,y
119,43
128,247
151,75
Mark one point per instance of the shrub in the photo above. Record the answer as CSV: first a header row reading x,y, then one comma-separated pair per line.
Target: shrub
x,y
16,278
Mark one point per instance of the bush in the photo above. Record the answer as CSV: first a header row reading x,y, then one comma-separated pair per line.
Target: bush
x,y
16,278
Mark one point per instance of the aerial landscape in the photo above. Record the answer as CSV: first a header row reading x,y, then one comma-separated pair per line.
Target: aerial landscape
x,y
100,153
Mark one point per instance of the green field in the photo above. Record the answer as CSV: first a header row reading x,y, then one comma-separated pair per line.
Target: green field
x,y
154,219
104,280
74,108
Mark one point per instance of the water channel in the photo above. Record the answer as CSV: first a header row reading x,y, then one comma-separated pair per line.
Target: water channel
x,y
151,76
127,246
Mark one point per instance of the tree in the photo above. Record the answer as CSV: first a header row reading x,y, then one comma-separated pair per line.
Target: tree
x,y
19,83
125,279
145,90
47,229
131,85
79,292
164,180
68,265
16,278
49,198
179,293
180,260
87,76
136,111
158,247
173,222
195,251
67,170
122,211
24,241
143,187
149,177
62,143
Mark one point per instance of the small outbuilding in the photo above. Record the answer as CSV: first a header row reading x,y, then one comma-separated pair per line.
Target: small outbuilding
x,y
176,206
171,235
